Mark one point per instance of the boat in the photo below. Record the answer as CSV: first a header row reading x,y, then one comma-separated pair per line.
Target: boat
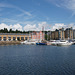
x,y
24,42
61,42
28,42
54,42
64,43
73,42
41,44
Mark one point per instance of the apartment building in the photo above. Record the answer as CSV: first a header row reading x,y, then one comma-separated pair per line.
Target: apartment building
x,y
69,33
38,35
53,35
56,34
61,34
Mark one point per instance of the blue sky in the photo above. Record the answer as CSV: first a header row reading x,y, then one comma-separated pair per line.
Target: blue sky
x,y
33,14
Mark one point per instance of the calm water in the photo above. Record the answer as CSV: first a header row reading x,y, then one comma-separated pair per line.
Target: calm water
x,y
37,60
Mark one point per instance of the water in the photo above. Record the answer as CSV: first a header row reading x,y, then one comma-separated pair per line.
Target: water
x,y
37,60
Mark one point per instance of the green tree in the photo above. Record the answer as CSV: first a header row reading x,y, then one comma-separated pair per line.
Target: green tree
x,y
5,30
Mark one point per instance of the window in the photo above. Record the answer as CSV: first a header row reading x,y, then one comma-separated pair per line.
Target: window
x,y
25,38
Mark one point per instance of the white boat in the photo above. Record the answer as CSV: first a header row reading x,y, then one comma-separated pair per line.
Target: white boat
x,y
28,42
23,42
54,42
64,43
61,42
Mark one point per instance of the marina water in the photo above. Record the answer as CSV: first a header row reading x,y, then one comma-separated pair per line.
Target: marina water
x,y
37,60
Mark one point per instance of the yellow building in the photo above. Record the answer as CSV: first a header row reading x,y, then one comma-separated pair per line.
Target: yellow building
x,y
61,34
56,35
14,36
53,35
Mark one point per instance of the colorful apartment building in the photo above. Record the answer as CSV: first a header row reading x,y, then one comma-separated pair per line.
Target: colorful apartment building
x,y
38,35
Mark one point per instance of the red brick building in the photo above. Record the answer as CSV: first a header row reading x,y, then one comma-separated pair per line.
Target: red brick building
x,y
38,35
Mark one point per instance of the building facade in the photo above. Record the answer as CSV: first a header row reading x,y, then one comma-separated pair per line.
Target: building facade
x,y
14,36
53,35
61,34
69,33
38,35
73,34
56,34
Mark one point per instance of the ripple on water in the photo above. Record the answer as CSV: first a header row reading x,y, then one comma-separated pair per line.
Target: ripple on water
x,y
37,60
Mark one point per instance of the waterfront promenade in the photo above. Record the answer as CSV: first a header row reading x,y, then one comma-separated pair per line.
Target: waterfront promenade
x,y
10,42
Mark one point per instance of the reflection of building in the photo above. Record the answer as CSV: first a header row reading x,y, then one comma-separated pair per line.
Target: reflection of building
x,y
38,35
14,36
69,33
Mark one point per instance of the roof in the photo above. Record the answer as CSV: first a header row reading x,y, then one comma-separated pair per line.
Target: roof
x,y
13,34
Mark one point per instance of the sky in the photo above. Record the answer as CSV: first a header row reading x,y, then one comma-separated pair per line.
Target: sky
x,y
25,15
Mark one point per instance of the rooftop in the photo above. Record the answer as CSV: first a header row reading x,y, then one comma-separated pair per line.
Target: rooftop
x,y
13,34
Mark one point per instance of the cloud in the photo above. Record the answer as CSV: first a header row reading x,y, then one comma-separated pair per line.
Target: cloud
x,y
58,5
21,15
71,25
58,26
8,20
15,21
2,26
14,27
4,5
17,26
68,4
29,27
43,24
35,27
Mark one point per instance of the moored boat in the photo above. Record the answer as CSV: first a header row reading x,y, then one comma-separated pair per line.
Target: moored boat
x,y
41,44
29,42
61,42
54,42
64,43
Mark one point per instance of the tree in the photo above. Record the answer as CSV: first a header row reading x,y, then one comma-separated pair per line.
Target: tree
x,y
5,30
10,31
